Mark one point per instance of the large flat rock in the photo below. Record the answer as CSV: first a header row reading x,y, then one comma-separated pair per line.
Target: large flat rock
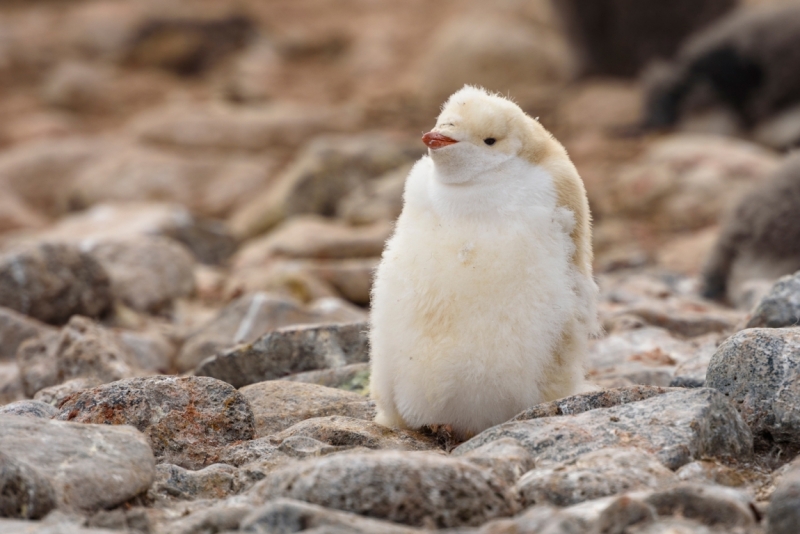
x,y
89,466
678,427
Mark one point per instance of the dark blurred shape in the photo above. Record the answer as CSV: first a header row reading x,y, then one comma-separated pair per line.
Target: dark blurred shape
x,y
618,37
749,60
760,240
189,46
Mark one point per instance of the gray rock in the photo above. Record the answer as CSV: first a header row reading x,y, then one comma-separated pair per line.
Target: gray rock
x,y
594,475
89,466
83,349
418,489
29,408
24,492
505,457
783,514
353,377
583,402
721,508
347,432
16,328
539,519
780,307
147,274
759,369
261,451
55,395
678,427
10,383
186,419
53,282
243,321
712,472
278,404
287,351
287,515
68,526
213,482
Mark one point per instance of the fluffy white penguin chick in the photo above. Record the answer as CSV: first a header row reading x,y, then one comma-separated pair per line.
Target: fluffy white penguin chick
x,y
484,298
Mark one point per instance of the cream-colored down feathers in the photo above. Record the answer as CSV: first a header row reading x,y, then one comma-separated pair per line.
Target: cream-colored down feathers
x,y
484,299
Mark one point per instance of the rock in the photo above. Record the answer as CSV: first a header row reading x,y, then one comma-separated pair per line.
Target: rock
x,y
314,237
720,508
186,419
248,318
584,402
208,240
40,172
147,274
594,475
10,383
213,482
321,175
89,466
281,277
353,377
253,74
287,351
16,328
351,278
783,514
639,34
500,53
76,86
53,282
278,404
758,370
258,454
505,457
678,427
687,182
712,472
418,489
780,307
151,350
29,408
83,349
188,45
347,433
24,492
376,200
250,129
544,519
15,214
288,515
208,185
55,395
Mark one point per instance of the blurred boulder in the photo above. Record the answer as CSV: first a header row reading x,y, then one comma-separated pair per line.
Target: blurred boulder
x,y
503,54
82,349
76,86
380,199
760,239
15,214
53,282
206,185
320,176
687,182
24,492
784,507
16,328
745,63
207,239
237,129
148,273
618,37
253,74
188,46
29,408
780,307
250,317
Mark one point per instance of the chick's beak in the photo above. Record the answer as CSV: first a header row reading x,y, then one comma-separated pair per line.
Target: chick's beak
x,y
436,140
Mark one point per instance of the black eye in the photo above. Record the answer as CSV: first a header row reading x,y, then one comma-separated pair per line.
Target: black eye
x,y
489,141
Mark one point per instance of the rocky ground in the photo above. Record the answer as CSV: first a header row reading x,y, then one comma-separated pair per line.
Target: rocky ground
x,y
194,196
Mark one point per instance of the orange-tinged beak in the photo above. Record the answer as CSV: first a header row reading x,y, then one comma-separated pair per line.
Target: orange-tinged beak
x,y
436,140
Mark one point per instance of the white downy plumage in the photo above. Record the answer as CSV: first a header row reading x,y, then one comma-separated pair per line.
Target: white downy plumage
x,y
484,299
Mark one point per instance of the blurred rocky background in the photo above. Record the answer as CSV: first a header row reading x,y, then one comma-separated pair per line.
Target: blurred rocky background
x,y
194,194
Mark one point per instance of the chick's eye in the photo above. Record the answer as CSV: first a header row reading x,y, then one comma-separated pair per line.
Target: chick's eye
x,y
489,141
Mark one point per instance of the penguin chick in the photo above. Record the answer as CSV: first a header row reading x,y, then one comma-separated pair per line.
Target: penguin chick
x,y
484,298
